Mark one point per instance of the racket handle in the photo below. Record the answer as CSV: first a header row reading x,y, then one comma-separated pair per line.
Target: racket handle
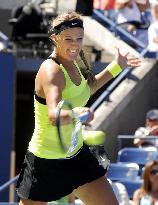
x,y
84,117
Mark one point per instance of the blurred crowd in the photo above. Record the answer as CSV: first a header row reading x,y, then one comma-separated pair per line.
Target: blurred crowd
x,y
138,17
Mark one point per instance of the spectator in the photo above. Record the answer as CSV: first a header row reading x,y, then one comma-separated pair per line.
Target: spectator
x,y
151,128
153,28
129,13
148,193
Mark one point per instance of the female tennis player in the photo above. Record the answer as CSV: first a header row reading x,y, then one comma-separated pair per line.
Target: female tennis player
x,y
47,172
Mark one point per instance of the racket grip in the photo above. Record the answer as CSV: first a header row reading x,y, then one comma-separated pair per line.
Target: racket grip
x,y
84,117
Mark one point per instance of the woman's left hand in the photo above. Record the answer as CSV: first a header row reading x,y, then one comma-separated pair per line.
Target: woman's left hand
x,y
127,60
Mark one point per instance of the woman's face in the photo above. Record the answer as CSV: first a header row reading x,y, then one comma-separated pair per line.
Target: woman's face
x,y
154,174
69,43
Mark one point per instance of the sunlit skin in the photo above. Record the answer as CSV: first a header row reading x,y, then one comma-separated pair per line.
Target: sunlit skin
x,y
68,44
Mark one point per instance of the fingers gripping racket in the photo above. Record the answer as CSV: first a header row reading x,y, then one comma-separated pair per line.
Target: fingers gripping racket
x,y
75,125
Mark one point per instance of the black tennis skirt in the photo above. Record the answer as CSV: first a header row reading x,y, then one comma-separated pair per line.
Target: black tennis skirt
x,y
50,179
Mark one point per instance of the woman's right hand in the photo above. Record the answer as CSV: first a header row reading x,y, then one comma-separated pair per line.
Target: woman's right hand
x,y
82,110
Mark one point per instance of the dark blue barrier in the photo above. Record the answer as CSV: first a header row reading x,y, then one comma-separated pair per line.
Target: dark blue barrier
x,y
7,88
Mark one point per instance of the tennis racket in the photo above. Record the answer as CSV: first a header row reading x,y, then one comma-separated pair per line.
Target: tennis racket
x,y
74,127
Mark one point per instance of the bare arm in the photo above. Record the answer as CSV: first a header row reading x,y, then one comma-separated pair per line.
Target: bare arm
x,y
123,61
136,197
138,141
52,81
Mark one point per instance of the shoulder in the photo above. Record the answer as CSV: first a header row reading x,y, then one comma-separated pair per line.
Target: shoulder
x,y
50,65
137,194
50,73
50,69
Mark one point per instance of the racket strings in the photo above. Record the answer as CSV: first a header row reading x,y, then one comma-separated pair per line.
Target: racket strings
x,y
69,133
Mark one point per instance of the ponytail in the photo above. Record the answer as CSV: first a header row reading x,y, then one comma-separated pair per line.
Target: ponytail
x,y
90,76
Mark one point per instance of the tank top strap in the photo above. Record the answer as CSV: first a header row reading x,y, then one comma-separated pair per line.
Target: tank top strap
x,y
54,59
63,68
77,66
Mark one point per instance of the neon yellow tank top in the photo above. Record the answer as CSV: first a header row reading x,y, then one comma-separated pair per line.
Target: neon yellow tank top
x,y
44,142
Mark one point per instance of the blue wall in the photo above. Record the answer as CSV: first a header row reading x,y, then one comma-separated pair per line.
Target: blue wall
x,y
7,89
